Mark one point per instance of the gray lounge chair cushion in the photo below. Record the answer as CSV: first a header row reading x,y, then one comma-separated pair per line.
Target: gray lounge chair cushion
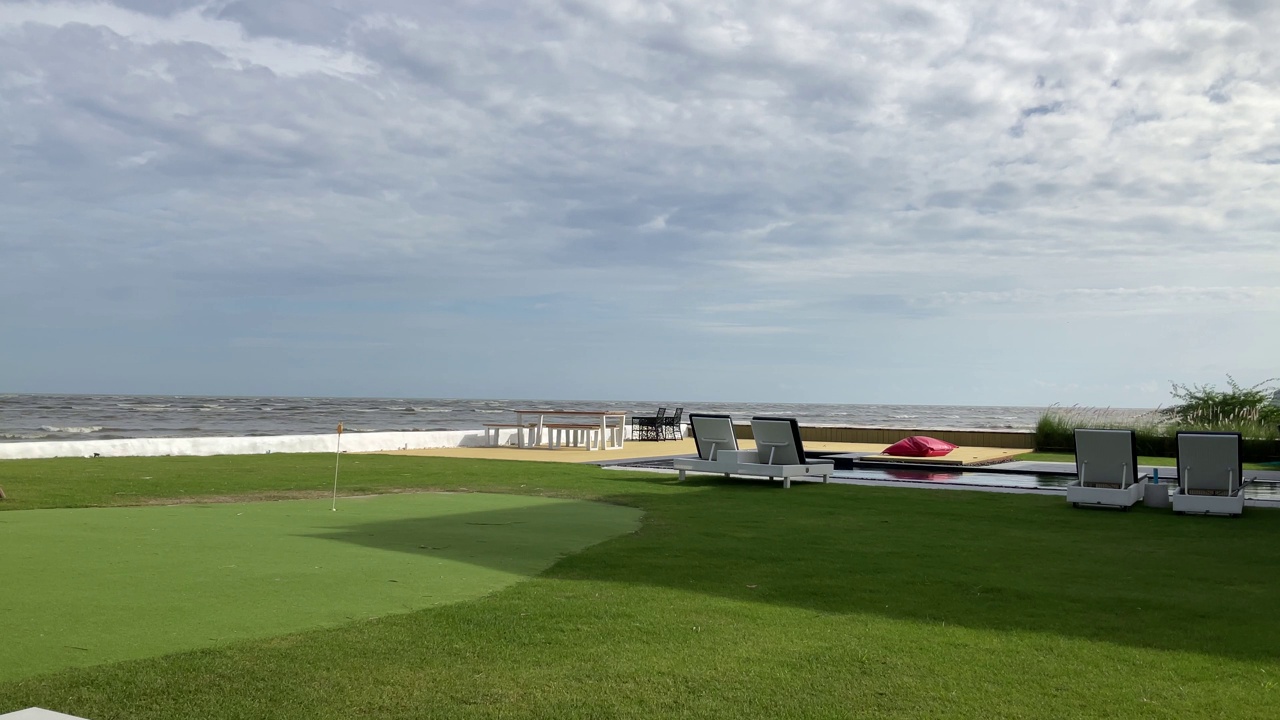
x,y
1209,463
712,434
1106,458
778,441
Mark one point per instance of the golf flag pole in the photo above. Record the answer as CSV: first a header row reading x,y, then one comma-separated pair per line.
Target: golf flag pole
x,y
336,454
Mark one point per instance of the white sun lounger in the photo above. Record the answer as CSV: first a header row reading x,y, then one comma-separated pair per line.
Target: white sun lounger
x,y
1106,470
717,445
780,453
1209,474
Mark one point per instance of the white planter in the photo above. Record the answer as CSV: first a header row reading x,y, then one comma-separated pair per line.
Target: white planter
x,y
1156,496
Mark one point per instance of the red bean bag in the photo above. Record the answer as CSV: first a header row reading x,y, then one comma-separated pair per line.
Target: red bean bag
x,y
920,446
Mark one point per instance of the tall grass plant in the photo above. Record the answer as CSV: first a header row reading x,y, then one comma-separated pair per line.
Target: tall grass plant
x,y
1246,410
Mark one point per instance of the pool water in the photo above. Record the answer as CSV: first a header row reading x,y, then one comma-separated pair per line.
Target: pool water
x,y
1029,481
957,477
954,477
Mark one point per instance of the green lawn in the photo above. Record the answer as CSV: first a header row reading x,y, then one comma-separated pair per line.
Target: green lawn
x,y
94,585
735,599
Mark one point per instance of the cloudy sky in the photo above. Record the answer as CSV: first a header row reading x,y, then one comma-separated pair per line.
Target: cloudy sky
x,y
865,202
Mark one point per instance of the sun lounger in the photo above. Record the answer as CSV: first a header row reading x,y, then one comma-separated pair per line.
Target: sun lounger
x,y
1106,470
1209,474
713,434
780,453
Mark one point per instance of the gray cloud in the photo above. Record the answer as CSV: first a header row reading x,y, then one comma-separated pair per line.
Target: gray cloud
x,y
478,170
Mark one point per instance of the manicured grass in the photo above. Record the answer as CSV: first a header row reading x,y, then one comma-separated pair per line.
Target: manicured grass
x,y
95,585
738,599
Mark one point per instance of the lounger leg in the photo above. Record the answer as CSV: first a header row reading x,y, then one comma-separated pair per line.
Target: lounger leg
x,y
786,483
681,476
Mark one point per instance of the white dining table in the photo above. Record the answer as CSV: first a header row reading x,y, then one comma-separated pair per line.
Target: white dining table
x,y
607,438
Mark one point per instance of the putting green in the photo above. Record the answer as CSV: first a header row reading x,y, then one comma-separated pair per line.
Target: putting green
x,y
88,586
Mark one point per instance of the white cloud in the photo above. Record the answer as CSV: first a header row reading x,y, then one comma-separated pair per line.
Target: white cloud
x,y
194,25
655,173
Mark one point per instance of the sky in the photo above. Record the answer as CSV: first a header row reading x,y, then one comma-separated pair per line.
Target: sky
x,y
982,203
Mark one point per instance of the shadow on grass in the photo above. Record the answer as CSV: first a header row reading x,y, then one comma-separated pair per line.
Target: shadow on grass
x,y
516,540
980,560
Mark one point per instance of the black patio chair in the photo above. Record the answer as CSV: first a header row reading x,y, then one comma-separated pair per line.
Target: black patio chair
x,y
648,427
671,429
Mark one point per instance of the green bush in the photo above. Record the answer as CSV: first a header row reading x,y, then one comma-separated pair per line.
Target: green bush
x,y
1246,410
1243,409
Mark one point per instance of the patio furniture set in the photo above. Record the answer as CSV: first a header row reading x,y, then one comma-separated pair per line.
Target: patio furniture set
x,y
659,426
590,429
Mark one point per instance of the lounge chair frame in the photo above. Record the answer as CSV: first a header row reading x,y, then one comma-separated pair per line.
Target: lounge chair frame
x,y
1223,474
780,452
717,445
1106,470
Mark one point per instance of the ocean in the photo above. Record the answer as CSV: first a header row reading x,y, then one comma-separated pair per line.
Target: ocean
x,y
34,418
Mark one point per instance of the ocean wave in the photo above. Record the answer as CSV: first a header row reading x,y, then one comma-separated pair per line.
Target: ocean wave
x,y
430,409
71,430
23,436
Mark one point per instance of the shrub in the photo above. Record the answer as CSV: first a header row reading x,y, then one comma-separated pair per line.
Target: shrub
x,y
1246,410
1240,408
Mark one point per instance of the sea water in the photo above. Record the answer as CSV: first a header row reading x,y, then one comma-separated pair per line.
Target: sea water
x,y
37,418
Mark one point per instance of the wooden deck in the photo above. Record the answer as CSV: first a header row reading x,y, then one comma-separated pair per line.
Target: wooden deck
x,y
636,449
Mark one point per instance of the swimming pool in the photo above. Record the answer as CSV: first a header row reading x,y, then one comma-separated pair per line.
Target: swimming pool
x,y
976,479
1003,480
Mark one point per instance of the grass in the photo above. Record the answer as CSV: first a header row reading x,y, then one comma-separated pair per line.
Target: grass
x,y
735,599
210,574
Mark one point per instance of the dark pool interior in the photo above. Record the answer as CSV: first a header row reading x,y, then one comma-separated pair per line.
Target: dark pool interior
x,y
1008,479
977,478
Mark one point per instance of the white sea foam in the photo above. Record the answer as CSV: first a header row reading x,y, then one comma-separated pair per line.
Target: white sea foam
x,y
71,430
153,447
